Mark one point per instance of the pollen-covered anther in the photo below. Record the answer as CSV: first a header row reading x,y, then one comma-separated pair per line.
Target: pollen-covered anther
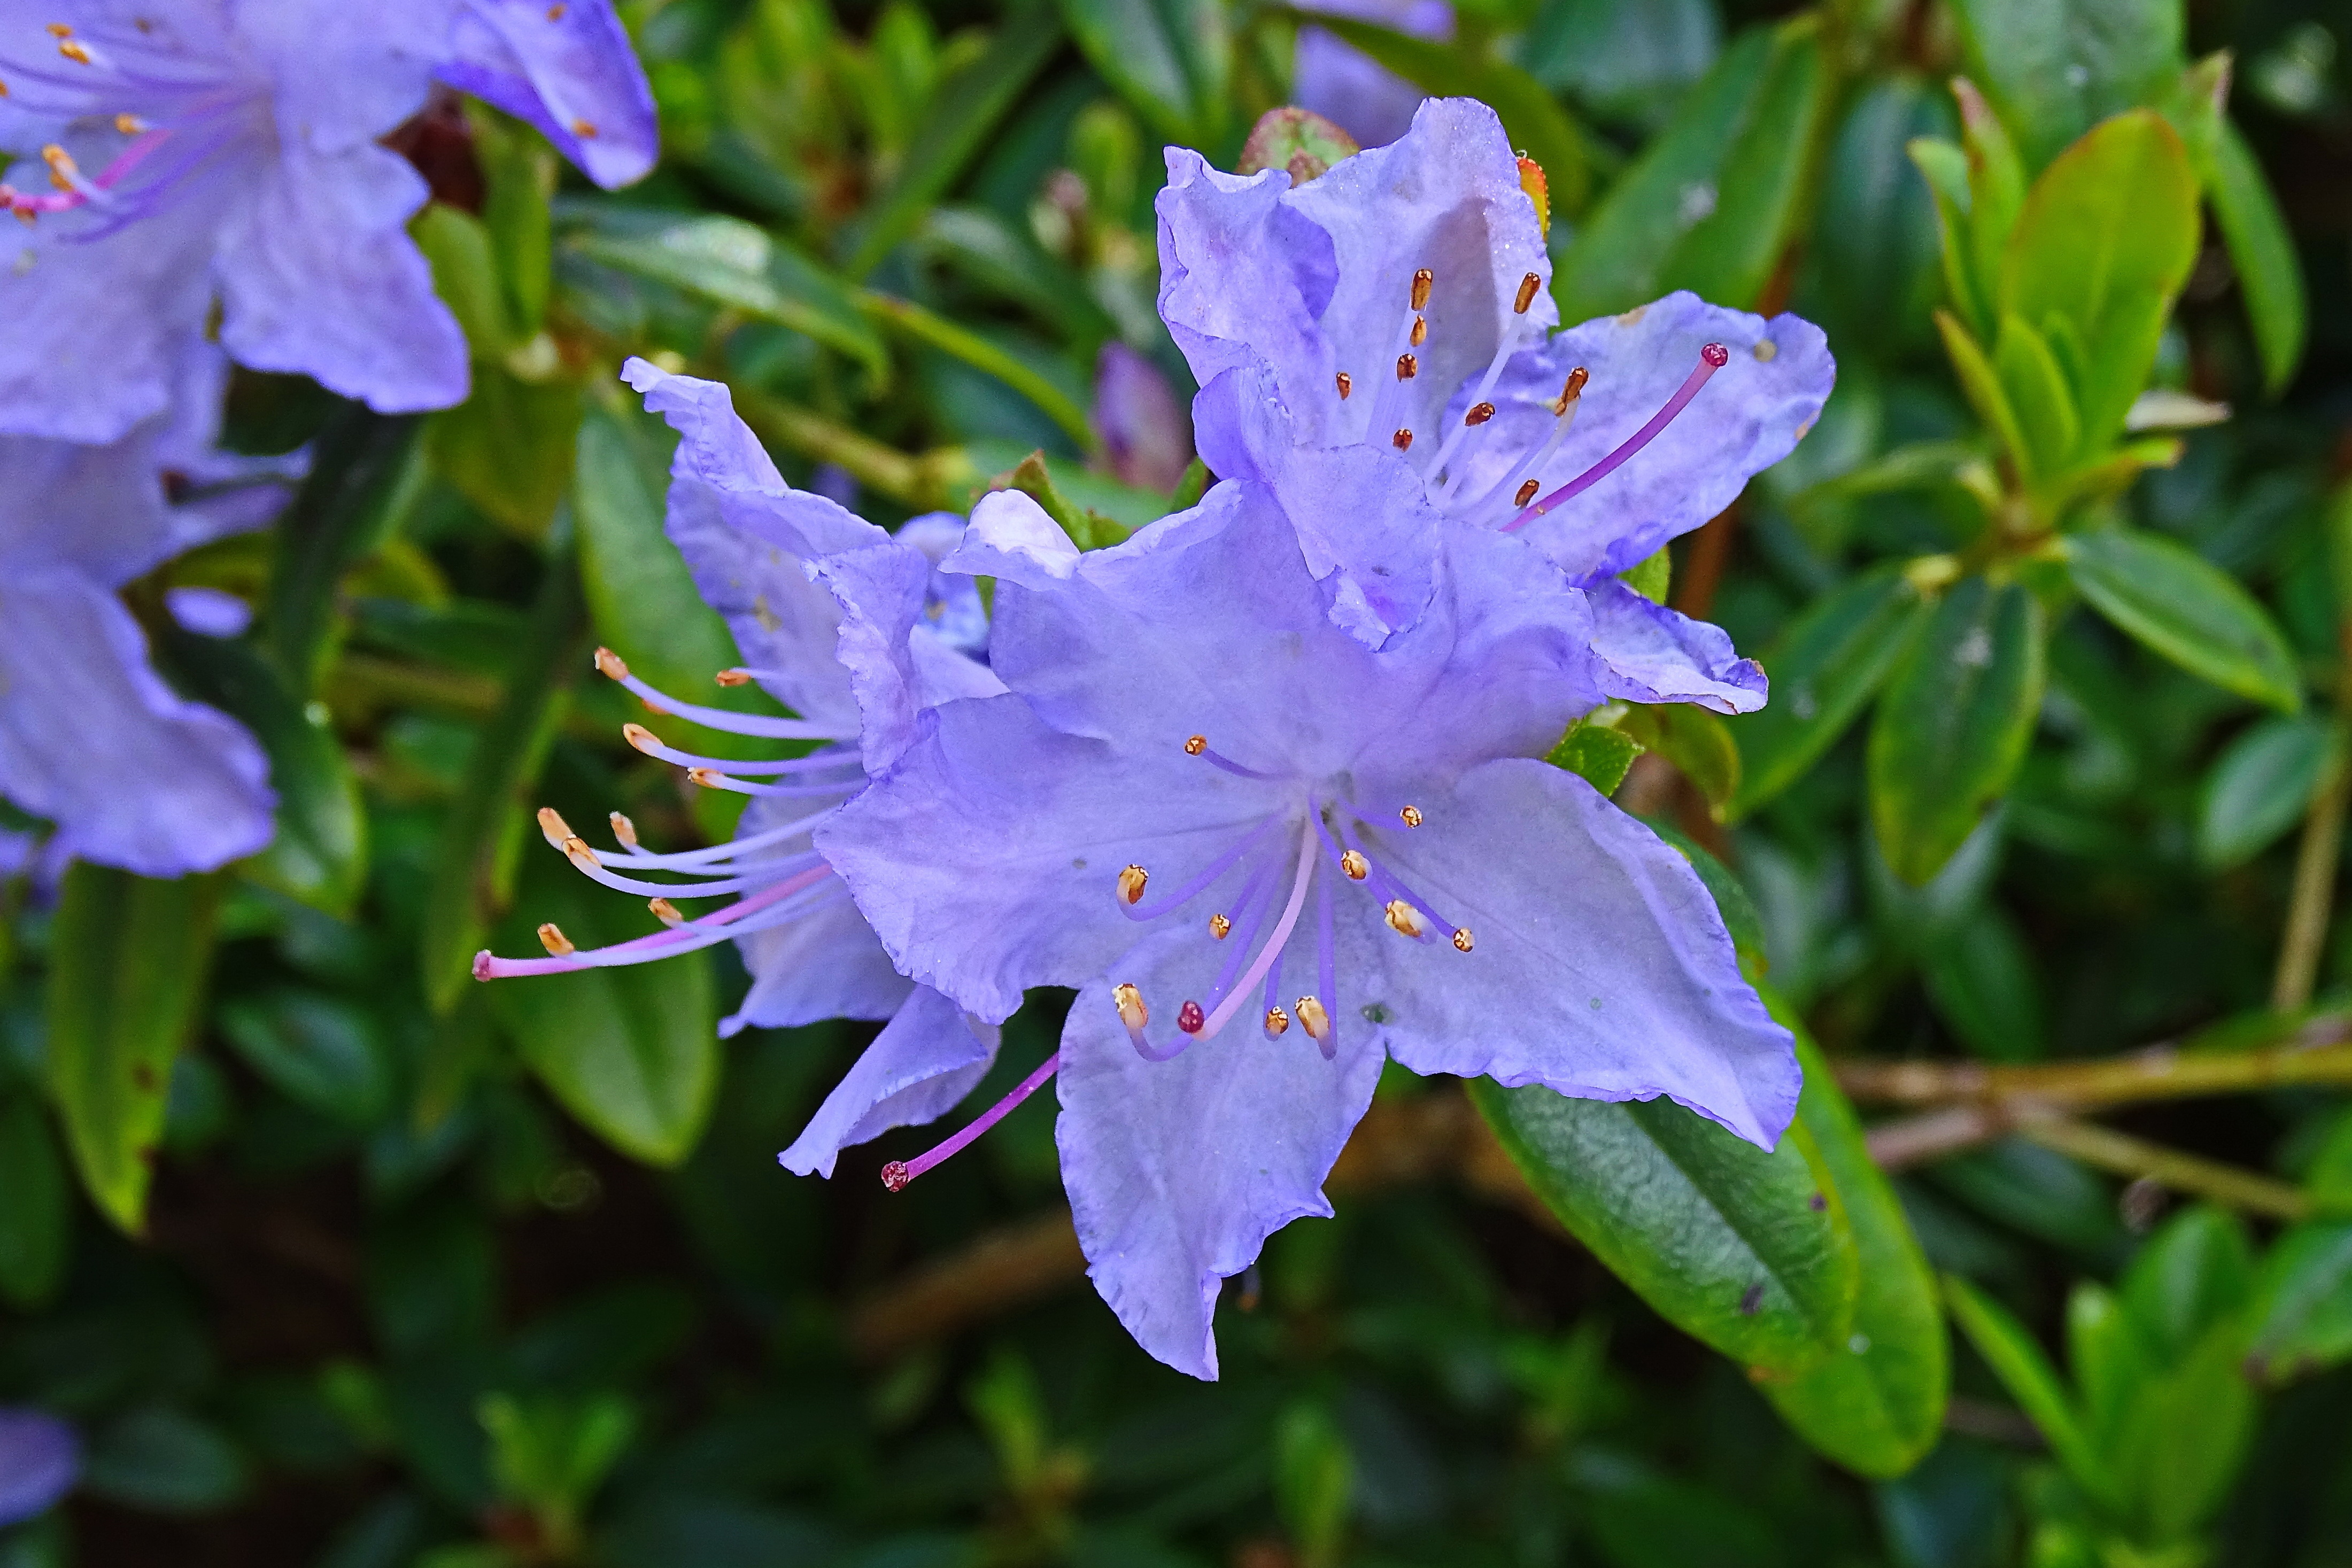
x,y
57,30
1131,881
1195,743
555,13
1345,382
585,129
1410,816
609,665
1480,413
1401,441
1220,928
624,830
895,1177
1570,390
1190,1017
1130,1002
643,739
576,850
1527,493
1420,333
1354,863
1716,354
1408,367
1527,297
666,911
734,677
706,777
557,944
129,124
63,171
1277,1024
1422,278
1462,940
73,49
1312,1017
1403,919
552,827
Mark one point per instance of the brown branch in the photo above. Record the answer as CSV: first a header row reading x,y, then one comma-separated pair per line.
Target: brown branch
x,y
2136,1157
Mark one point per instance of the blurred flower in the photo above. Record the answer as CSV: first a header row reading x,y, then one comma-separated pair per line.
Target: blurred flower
x,y
133,775
1191,753
208,152
780,565
40,1459
1347,86
1146,430
208,611
1400,304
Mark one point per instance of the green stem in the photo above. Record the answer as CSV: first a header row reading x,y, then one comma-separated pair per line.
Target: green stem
x,y
926,480
982,355
2136,1157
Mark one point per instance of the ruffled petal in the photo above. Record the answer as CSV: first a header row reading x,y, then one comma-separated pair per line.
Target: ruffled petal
x,y
1177,1171
135,775
1649,653
896,666
568,70
1601,969
930,1056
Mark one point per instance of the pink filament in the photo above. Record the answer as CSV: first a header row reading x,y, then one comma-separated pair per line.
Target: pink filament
x,y
1711,358
129,158
487,966
898,1172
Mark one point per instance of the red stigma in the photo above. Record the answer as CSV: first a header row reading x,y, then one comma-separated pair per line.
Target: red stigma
x,y
895,1177
1189,1018
1716,354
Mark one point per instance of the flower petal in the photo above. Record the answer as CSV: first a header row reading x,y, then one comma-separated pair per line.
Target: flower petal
x,y
1177,1171
133,775
1145,431
40,1460
568,70
898,666
927,1057
1649,653
1601,967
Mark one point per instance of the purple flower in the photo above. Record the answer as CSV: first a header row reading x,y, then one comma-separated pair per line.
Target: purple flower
x,y
205,152
40,1459
1401,302
1272,857
1146,432
1347,86
133,775
779,564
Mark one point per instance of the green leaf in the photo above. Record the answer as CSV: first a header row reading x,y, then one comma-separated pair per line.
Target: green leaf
x,y
1532,118
482,836
1981,383
959,120
2302,1313
1172,60
36,1222
2191,1275
508,448
1747,1251
1875,1406
319,854
1695,740
1599,754
1652,575
1824,668
2036,390
366,472
465,276
127,966
2185,1437
519,172
2104,1353
2187,609
2107,239
1979,974
1713,203
2030,1380
1087,529
165,1461
1297,139
1996,190
1953,723
2261,786
322,1052
974,350
1946,169
2053,68
2263,252
633,1052
735,264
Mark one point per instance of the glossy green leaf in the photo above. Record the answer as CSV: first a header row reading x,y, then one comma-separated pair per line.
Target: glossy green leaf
x,y
735,264
1953,723
1172,60
482,837
508,448
2181,1451
2263,252
1980,383
2107,1358
1824,669
465,276
318,1050
366,472
1979,974
1747,1251
2191,1275
1871,257
35,1219
2107,239
632,1052
318,854
1711,205
1599,754
2055,67
2037,393
1532,118
127,966
1695,740
2185,608
2019,1362
984,355
2302,1313
1945,168
2261,786
1876,1404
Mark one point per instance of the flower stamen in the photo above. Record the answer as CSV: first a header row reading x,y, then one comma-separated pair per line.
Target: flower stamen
x,y
1711,358
898,1172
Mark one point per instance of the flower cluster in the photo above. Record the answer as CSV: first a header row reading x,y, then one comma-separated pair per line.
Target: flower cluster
x,y
1266,783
